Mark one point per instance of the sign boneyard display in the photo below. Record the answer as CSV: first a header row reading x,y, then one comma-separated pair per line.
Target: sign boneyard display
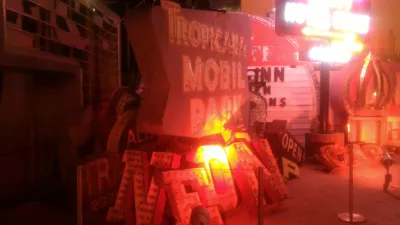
x,y
196,78
97,185
159,185
194,67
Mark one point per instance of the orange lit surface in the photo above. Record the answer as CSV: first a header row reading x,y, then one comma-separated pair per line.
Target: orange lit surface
x,y
211,183
394,131
219,175
308,31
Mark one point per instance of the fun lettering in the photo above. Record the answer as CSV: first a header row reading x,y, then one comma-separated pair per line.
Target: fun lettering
x,y
290,145
191,33
290,169
211,75
147,203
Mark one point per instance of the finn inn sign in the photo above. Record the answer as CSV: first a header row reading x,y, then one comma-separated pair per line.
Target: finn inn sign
x,y
196,82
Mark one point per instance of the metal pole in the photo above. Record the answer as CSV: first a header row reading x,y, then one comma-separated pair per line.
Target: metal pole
x,y
350,216
3,28
351,184
324,97
119,53
260,195
79,215
128,47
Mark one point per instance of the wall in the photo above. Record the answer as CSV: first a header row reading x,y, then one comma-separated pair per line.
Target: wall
x,y
77,43
34,120
14,135
385,17
82,30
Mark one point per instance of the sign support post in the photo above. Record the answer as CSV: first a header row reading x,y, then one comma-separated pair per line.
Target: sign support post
x,y
324,98
260,204
351,217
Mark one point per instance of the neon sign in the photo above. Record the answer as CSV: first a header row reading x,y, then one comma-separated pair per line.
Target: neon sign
x,y
334,4
334,18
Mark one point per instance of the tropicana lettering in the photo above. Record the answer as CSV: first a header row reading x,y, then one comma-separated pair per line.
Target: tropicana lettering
x,y
181,31
210,80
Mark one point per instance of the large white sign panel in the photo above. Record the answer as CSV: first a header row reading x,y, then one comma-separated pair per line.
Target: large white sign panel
x,y
289,94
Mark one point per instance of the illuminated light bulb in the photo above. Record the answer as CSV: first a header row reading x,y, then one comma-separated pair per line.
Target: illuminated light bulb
x,y
214,152
375,94
308,31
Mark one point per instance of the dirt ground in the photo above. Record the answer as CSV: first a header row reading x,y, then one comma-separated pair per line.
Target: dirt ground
x,y
316,198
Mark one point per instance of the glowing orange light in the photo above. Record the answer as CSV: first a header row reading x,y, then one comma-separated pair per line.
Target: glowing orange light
x,y
353,46
217,166
209,152
308,31
365,66
348,128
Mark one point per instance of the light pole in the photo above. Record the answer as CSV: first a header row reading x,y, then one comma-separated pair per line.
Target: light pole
x,y
324,98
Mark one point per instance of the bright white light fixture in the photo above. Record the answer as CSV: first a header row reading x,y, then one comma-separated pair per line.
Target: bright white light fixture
x,y
329,54
321,17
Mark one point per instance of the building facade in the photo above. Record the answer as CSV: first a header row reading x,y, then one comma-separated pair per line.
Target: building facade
x,y
57,59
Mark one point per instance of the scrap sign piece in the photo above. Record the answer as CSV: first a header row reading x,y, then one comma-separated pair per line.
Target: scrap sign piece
x,y
211,185
146,203
288,152
97,181
181,202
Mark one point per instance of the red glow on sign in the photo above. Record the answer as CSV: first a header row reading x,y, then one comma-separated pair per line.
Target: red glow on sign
x,y
269,49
